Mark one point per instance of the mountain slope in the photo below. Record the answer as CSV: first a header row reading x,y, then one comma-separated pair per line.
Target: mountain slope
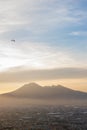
x,y
35,91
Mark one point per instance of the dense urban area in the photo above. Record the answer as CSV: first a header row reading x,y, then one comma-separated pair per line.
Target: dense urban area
x,y
44,118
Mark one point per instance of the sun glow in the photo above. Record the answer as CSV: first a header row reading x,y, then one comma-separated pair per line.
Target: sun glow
x,y
35,57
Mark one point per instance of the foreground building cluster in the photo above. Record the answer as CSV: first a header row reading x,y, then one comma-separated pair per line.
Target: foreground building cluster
x,y
44,118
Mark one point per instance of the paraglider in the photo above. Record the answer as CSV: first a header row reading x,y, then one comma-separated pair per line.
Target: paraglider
x,y
13,40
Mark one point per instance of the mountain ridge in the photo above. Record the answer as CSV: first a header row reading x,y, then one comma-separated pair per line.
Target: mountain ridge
x,y
33,90
34,94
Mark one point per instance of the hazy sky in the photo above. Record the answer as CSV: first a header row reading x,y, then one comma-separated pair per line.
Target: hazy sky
x,y
50,43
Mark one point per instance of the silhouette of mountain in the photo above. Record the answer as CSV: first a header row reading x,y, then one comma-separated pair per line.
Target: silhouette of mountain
x,y
35,91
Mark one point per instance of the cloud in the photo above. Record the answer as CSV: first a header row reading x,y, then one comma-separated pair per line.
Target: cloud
x,y
79,33
33,56
37,16
22,74
25,19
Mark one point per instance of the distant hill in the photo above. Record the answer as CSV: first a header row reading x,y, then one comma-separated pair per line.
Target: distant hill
x,y
50,94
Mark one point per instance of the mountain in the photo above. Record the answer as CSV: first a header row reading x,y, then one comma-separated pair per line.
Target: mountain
x,y
36,91
47,94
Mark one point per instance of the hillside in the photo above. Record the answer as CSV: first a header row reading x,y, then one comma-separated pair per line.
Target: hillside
x,y
36,91
34,94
